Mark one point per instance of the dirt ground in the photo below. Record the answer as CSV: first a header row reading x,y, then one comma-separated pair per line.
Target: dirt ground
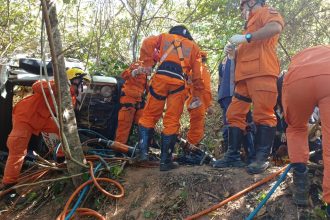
x,y
188,190
177,194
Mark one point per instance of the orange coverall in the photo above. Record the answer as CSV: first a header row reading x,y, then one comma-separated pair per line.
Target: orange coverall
x,y
197,115
30,116
131,102
257,68
169,87
306,85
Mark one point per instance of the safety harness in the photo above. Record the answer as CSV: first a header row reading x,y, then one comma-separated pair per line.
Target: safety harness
x,y
137,106
171,69
242,98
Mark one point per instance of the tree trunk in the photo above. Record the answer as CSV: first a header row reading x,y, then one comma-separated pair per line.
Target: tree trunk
x,y
66,115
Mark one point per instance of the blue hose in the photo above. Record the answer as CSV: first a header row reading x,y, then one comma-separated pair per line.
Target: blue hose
x,y
57,147
92,132
81,195
92,152
263,202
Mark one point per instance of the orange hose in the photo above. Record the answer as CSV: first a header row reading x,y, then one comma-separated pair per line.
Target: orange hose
x,y
118,185
89,212
236,196
95,181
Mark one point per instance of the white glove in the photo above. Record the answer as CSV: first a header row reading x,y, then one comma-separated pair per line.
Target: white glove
x,y
134,72
141,70
238,39
230,50
195,103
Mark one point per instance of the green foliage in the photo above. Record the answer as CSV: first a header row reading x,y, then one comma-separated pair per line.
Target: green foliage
x,y
320,213
116,171
85,177
31,197
261,196
106,35
108,67
184,194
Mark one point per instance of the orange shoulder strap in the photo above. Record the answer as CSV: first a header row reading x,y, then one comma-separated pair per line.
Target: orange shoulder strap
x,y
176,44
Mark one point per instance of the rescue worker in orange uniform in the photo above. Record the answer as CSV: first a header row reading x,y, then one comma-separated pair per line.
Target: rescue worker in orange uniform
x,y
305,86
131,101
177,55
77,78
30,116
257,69
197,115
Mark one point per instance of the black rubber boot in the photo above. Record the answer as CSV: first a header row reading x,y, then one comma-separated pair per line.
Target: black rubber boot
x,y
328,210
232,157
145,134
167,148
225,139
300,187
248,142
264,142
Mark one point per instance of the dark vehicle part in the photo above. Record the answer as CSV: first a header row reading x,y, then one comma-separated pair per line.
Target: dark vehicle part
x,y
193,155
100,105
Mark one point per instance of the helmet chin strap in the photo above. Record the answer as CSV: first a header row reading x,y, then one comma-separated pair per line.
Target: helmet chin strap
x,y
249,11
250,7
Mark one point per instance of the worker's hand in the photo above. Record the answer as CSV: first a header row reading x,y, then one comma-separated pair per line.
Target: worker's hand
x,y
134,73
238,39
141,70
195,103
230,50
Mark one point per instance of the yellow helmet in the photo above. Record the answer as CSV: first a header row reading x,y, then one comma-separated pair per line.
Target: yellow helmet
x,y
75,72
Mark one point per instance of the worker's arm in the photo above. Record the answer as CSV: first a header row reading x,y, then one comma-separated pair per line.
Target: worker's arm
x,y
126,74
147,51
196,67
268,31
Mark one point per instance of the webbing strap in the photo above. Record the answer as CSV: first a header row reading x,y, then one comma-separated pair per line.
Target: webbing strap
x,y
162,98
181,88
242,98
170,74
176,44
154,94
138,105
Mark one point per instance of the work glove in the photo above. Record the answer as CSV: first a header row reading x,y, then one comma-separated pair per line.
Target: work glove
x,y
195,103
141,70
230,50
134,73
238,39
